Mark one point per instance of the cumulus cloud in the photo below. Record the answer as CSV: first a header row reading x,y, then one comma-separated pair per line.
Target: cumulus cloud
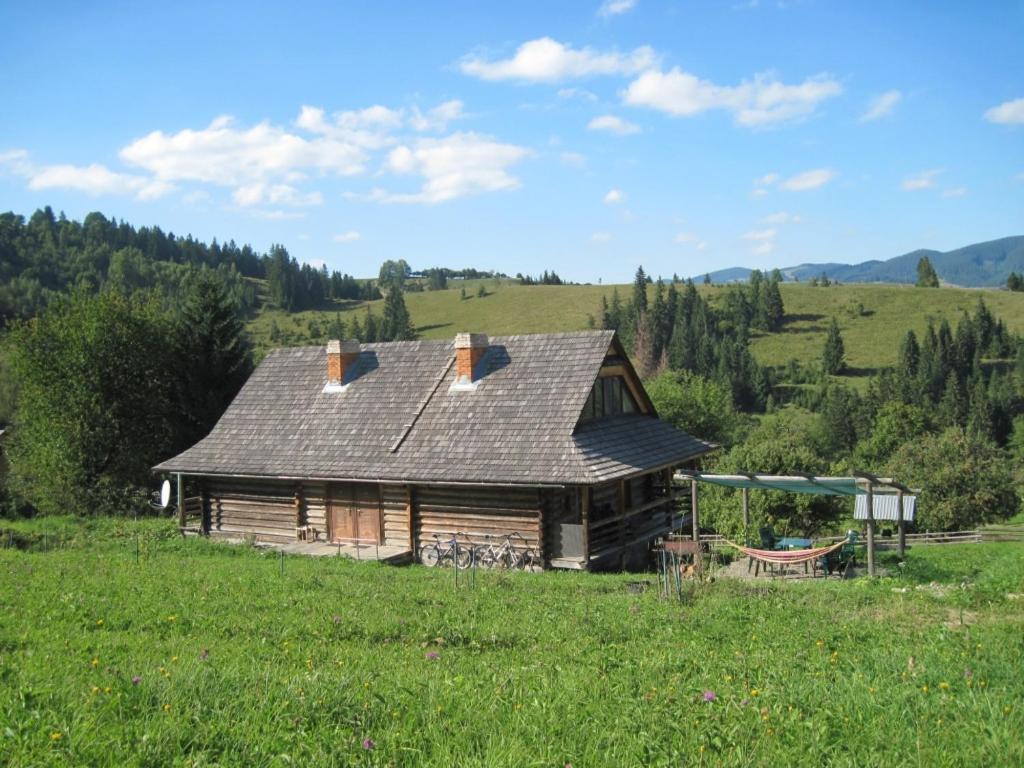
x,y
94,179
613,124
763,240
347,237
615,7
800,182
614,197
456,166
762,101
881,106
274,194
437,119
547,60
782,217
1007,113
922,180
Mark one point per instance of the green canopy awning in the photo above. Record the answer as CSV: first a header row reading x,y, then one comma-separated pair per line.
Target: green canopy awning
x,y
820,486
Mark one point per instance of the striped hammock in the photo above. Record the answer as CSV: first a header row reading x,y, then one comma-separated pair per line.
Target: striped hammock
x,y
786,557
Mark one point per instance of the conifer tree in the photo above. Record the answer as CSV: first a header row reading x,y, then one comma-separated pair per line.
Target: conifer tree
x,y
926,274
639,293
396,324
833,356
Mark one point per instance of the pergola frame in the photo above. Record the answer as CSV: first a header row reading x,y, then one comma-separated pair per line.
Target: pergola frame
x,y
859,483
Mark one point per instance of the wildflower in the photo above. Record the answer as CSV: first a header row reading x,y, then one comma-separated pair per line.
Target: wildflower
x,y
56,736
924,689
433,655
107,689
744,702
968,674
167,707
820,643
634,609
204,654
174,658
369,743
709,696
99,622
754,692
136,679
94,690
336,619
944,685
728,678
95,663
172,618
871,691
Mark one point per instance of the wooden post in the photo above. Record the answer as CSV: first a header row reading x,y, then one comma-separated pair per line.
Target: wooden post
x,y
541,539
409,517
746,512
871,529
181,501
694,510
587,500
901,522
668,499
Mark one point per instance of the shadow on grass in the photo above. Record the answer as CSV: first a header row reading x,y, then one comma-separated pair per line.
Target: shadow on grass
x,y
435,326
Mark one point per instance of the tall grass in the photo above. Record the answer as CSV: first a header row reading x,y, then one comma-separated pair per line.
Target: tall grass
x,y
197,653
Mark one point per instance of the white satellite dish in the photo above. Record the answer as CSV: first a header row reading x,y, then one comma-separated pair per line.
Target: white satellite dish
x,y
165,494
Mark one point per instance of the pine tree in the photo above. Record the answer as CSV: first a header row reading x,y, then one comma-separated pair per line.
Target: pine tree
x,y
639,292
832,358
926,274
910,355
371,328
336,330
396,324
213,356
953,405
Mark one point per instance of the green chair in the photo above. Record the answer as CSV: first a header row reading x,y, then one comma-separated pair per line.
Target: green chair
x,y
841,559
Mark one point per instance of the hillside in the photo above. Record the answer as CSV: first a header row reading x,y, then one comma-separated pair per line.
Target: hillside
x,y
873,318
979,265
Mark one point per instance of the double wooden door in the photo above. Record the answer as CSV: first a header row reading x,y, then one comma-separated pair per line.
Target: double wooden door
x,y
353,513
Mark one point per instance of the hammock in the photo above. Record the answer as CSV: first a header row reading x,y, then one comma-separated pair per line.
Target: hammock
x,y
786,557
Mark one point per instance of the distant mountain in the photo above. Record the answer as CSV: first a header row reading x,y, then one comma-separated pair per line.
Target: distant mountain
x,y
982,265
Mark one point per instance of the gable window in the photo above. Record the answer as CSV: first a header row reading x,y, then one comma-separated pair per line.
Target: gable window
x,y
610,396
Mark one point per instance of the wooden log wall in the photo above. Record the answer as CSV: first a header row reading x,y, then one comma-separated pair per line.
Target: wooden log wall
x,y
477,512
395,515
638,514
265,509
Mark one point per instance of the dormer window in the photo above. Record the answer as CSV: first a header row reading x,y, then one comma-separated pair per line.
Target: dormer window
x,y
610,396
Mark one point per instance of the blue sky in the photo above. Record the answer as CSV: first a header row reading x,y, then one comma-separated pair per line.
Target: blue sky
x,y
581,137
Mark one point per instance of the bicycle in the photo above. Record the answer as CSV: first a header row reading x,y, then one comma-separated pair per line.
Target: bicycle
x,y
444,553
507,556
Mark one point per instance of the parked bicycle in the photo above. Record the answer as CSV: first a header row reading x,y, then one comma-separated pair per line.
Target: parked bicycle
x,y
446,551
510,554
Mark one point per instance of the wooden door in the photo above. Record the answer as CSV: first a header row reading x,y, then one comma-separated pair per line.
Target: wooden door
x,y
354,513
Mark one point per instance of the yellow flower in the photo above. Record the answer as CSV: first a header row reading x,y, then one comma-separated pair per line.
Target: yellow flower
x,y
56,736
167,707
944,685
728,678
107,689
702,748
99,622
95,662
871,691
754,692
95,690
174,658
924,689
172,618
820,643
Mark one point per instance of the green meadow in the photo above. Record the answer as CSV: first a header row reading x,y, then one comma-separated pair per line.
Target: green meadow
x,y
873,317
123,644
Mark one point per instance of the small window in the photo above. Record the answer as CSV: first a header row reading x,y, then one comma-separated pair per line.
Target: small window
x,y
610,396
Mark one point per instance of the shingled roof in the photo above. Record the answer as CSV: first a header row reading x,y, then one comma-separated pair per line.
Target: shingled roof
x,y
399,419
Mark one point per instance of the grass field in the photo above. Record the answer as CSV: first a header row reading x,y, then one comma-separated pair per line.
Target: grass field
x,y
873,318
198,653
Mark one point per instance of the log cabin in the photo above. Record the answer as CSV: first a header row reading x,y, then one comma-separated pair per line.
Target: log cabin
x,y
550,437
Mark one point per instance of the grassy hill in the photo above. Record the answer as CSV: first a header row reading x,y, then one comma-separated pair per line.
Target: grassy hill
x,y
873,318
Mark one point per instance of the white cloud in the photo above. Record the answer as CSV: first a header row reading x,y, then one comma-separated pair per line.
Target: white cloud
x,y
261,193
613,124
577,93
763,239
759,102
456,166
437,119
97,179
800,182
600,237
547,60
347,237
1008,113
278,215
614,197
615,7
954,192
923,180
688,238
224,155
881,106
782,217
573,159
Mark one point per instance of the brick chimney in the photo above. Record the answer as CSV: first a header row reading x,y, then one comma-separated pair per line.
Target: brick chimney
x,y
469,351
341,358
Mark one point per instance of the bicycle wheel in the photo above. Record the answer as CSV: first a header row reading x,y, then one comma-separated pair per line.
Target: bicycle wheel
x,y
464,557
430,555
527,560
